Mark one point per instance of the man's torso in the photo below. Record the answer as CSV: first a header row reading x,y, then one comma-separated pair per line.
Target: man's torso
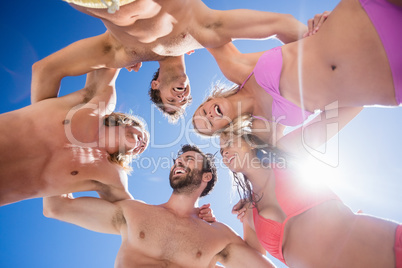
x,y
156,237
37,157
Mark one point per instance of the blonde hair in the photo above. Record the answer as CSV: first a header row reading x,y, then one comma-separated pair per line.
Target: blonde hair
x,y
122,119
218,91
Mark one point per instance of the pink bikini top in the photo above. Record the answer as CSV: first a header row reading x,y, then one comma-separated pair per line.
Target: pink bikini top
x,y
294,198
267,73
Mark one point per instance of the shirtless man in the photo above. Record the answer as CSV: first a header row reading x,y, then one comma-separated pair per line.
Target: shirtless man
x,y
69,144
166,235
163,31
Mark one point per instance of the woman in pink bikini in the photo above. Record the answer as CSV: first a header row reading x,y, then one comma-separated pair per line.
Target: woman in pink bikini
x,y
299,225
353,60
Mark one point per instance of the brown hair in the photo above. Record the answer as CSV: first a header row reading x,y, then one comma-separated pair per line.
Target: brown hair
x,y
262,150
172,115
208,165
122,119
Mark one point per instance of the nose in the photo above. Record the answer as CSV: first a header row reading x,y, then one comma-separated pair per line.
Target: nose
x,y
180,97
178,161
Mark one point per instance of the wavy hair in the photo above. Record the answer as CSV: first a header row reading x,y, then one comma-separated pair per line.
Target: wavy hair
x,y
122,119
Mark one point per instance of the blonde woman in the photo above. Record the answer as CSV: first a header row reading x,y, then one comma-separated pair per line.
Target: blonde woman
x,y
352,61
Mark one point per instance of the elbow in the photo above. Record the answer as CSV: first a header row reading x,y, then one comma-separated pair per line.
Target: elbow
x,y
51,209
48,211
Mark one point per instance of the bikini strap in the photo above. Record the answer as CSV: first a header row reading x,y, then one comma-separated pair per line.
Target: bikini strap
x,y
242,85
260,118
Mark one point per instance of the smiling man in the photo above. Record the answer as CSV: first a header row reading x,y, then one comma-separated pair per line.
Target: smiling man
x,y
166,235
69,144
163,31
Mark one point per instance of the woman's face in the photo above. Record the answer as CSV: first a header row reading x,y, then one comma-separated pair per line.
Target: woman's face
x,y
214,115
237,154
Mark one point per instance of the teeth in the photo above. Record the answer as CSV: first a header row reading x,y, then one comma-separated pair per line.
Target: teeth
x,y
179,89
217,110
179,172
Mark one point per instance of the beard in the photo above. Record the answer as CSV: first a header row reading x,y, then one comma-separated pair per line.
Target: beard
x,y
185,183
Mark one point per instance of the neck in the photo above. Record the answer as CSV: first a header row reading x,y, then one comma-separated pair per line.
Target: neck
x,y
243,101
174,64
183,205
257,175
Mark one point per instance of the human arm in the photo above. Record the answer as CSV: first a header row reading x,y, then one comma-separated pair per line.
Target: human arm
x,y
251,24
318,131
243,210
234,65
239,254
76,59
88,212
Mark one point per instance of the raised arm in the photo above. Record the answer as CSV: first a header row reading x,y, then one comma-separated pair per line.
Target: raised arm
x,y
241,255
88,212
252,24
234,65
76,59
219,27
318,131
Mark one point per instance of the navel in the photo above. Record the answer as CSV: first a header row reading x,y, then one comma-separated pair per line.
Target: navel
x,y
65,122
75,172
142,235
333,67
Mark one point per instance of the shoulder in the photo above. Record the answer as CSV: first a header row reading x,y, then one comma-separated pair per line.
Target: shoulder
x,y
227,231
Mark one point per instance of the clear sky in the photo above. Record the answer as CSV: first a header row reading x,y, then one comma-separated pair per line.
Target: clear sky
x,y
367,174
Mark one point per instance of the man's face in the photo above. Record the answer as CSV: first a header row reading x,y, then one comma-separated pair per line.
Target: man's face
x,y
126,139
186,173
174,91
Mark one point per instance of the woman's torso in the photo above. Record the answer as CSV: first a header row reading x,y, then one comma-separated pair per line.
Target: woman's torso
x,y
311,227
345,62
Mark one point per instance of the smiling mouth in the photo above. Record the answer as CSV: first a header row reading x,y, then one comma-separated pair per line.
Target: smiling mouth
x,y
179,89
230,160
179,171
218,111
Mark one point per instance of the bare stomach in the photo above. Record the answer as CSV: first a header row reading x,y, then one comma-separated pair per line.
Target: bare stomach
x,y
330,235
344,62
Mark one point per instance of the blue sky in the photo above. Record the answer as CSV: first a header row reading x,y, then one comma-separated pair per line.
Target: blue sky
x,y
368,174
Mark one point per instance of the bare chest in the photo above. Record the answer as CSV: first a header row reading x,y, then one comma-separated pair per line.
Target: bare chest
x,y
172,241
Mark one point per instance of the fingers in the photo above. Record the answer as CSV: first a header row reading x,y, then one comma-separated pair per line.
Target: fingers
x,y
137,66
310,26
241,215
314,24
209,219
238,206
206,213
205,206
319,20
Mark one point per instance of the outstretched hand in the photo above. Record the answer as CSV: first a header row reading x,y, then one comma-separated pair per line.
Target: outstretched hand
x,y
206,213
315,23
240,209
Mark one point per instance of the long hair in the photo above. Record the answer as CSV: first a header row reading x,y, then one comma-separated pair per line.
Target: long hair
x,y
267,154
